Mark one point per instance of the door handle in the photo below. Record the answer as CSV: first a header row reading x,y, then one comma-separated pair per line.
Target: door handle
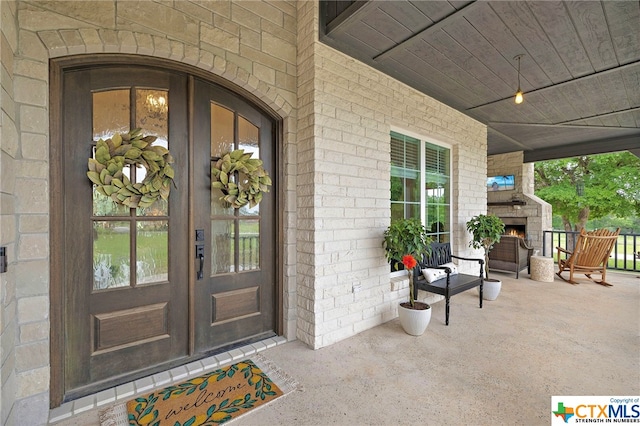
x,y
200,253
200,257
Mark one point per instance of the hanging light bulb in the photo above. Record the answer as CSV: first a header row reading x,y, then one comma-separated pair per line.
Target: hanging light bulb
x,y
519,95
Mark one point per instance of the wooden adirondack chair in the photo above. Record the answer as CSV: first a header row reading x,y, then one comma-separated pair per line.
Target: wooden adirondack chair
x,y
590,255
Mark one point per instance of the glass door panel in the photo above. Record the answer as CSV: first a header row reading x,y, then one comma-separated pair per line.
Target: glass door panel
x,y
249,141
111,254
222,129
111,113
116,246
152,114
222,246
236,246
248,137
152,248
249,245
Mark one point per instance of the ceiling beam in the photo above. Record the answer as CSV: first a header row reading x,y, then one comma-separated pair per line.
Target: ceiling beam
x,y
624,143
509,138
563,83
600,115
563,125
431,29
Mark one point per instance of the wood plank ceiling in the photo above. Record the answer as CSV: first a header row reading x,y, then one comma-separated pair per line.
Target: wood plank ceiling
x,y
580,72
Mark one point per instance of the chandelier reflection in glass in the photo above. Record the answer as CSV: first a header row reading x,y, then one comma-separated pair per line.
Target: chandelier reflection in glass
x,y
156,105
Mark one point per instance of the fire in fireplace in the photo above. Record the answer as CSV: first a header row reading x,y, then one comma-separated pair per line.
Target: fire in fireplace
x,y
515,226
516,230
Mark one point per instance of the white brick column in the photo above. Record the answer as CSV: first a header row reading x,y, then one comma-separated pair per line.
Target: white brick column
x,y
346,110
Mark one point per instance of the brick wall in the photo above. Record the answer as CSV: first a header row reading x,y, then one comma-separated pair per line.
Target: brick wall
x,y
9,164
344,190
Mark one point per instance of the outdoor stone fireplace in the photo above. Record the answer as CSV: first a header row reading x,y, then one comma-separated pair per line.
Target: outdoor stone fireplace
x,y
523,213
516,226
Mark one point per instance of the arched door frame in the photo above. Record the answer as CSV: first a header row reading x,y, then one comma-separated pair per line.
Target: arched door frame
x,y
57,67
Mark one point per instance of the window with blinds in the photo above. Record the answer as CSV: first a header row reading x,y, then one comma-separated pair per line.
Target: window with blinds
x,y
421,183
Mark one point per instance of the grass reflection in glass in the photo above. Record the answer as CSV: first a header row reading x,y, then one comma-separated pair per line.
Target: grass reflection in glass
x,y
111,254
152,243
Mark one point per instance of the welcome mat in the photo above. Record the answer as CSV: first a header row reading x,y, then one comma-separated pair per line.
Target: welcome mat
x,y
212,398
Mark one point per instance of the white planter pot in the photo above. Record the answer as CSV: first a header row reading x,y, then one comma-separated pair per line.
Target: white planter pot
x,y
491,289
414,321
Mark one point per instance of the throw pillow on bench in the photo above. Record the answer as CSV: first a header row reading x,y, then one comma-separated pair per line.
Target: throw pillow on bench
x,y
433,274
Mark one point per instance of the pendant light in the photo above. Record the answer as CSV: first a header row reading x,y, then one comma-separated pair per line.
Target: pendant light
x,y
519,95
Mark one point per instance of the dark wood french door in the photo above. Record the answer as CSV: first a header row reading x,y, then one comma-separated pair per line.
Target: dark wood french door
x,y
132,300
234,299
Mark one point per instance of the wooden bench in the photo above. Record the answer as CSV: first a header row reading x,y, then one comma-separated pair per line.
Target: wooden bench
x,y
451,284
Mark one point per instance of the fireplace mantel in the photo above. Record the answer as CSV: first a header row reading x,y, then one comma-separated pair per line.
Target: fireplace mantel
x,y
508,203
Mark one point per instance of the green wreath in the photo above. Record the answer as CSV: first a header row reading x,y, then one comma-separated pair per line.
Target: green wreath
x,y
250,183
105,170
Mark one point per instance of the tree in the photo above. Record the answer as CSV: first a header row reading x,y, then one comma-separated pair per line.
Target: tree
x,y
591,186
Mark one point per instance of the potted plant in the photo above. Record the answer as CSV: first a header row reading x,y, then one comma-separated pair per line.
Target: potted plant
x,y
406,241
486,231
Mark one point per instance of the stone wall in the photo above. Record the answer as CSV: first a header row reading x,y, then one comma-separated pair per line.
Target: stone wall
x,y
537,212
9,163
250,44
343,184
336,117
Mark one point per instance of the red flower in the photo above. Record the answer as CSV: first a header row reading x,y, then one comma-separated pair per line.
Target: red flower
x,y
409,261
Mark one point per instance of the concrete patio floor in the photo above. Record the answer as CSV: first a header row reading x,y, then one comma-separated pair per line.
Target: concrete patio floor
x,y
498,365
